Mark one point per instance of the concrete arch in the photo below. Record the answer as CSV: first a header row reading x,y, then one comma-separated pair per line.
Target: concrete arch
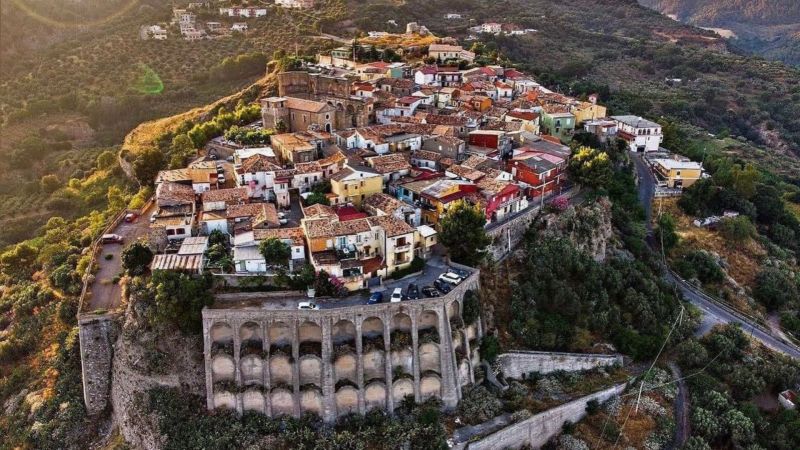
x,y
403,358
222,367
345,368
428,319
374,365
224,399
375,395
401,322
372,326
221,333
311,401
253,400
282,402
400,389
454,309
430,386
280,334
430,357
463,372
346,400
250,331
343,331
310,332
252,369
310,370
280,369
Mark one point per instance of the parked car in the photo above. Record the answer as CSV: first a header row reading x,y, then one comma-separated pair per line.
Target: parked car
x,y
442,286
412,292
130,217
450,277
283,221
397,295
460,272
375,298
308,306
221,179
430,291
111,239
153,217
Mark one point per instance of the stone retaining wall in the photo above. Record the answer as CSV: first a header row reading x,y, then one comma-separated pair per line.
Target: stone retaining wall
x,y
96,336
516,364
537,430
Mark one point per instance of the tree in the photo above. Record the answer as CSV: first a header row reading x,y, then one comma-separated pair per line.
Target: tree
x,y
691,353
774,288
136,258
49,183
740,427
705,423
317,198
275,252
590,168
737,229
665,232
19,261
106,160
181,148
463,233
489,348
179,300
147,165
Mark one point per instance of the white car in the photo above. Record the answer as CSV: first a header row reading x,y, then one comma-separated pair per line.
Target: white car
x,y
397,295
450,277
308,306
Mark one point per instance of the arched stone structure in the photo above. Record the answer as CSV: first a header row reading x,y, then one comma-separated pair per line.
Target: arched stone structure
x,y
253,400
430,357
221,333
222,367
346,401
224,399
311,401
310,370
375,395
338,360
252,368
280,370
282,402
430,386
401,389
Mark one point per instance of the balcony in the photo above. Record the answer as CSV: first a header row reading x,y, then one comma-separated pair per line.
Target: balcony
x,y
402,248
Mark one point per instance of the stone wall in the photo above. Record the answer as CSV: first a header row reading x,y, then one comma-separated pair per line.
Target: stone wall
x,y
339,360
518,363
96,334
537,430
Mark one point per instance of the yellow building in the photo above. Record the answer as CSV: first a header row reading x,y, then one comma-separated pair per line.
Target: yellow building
x,y
354,184
585,111
676,173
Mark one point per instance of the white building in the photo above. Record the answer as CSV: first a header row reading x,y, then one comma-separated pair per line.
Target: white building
x,y
156,32
443,52
240,27
641,134
300,4
248,12
248,259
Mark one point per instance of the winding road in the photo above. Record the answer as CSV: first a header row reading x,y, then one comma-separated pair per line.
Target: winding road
x,y
714,311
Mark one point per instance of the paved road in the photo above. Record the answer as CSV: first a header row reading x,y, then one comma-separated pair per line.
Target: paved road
x,y
681,408
713,311
104,293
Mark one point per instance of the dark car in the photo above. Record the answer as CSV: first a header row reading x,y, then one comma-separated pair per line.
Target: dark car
x,y
375,298
460,272
412,292
442,286
430,291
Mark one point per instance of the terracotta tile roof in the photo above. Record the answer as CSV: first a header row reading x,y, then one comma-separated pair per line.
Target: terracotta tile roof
x,y
426,155
452,120
383,202
309,167
302,104
522,115
319,227
296,235
174,194
492,186
474,161
294,142
465,172
350,227
317,210
391,225
259,163
336,158
261,214
231,196
390,163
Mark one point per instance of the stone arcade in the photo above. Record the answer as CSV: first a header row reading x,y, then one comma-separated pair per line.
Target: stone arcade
x,y
333,362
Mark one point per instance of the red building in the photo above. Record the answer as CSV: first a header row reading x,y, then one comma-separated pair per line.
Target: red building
x,y
544,172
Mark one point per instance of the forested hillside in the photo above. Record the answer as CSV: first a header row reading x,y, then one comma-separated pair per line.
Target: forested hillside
x,y
766,27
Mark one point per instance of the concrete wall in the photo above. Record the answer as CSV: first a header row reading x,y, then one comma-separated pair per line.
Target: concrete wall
x,y
96,335
287,383
537,430
518,363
